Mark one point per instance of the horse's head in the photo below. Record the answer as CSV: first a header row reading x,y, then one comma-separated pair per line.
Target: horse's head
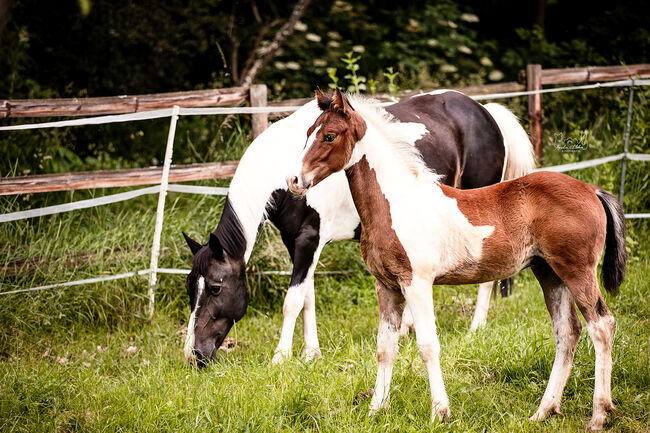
x,y
330,141
218,298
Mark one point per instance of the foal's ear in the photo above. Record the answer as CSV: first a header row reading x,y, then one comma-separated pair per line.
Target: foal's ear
x,y
215,247
194,245
340,103
324,101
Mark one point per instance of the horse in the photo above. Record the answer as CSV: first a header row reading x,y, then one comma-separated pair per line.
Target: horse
x,y
471,144
417,232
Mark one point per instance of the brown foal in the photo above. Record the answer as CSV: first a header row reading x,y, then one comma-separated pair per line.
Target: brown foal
x,y
417,232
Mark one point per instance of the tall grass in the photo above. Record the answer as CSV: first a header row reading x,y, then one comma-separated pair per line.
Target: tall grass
x,y
86,358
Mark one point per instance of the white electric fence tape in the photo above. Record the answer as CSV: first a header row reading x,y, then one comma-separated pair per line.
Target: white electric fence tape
x,y
145,272
107,199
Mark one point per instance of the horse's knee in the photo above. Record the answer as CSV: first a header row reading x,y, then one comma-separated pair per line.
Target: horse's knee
x,y
429,351
293,302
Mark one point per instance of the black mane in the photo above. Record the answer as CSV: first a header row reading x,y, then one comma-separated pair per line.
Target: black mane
x,y
230,233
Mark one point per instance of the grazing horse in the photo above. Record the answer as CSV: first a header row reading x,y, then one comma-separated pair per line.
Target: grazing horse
x,y
417,232
471,144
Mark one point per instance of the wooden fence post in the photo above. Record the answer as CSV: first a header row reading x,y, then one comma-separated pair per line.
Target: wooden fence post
x,y
534,82
258,97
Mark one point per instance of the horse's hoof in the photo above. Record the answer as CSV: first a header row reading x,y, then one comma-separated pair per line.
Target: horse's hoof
x,y
540,415
280,357
443,412
596,423
311,354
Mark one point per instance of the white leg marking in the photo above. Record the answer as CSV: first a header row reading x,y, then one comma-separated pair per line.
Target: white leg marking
x,y
387,345
390,314
189,340
419,297
482,305
312,348
602,335
293,302
566,340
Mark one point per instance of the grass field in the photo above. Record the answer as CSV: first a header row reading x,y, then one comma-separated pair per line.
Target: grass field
x,y
87,359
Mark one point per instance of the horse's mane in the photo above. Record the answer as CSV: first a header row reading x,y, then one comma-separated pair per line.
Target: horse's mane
x,y
397,136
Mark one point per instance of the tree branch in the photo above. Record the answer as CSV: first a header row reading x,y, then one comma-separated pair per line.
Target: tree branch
x,y
267,53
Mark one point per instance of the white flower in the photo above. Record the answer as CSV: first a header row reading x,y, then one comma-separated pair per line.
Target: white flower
x,y
333,44
470,18
358,48
485,61
452,24
320,62
448,68
313,37
300,26
465,49
279,65
333,35
432,42
294,66
496,75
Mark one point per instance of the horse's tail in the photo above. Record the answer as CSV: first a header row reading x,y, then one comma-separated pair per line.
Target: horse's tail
x,y
615,253
520,156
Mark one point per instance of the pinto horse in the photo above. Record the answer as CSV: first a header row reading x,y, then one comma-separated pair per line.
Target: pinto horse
x,y
471,144
417,232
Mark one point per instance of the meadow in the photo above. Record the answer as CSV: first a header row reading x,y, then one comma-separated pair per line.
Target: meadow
x,y
87,359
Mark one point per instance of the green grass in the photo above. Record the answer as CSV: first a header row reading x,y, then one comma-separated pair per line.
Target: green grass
x,y
80,377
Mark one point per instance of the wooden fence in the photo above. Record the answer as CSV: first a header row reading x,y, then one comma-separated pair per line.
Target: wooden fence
x,y
533,78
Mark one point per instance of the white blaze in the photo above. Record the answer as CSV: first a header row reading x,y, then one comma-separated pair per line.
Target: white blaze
x,y
189,340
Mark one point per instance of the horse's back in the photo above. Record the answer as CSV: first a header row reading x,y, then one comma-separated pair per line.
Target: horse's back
x,y
463,142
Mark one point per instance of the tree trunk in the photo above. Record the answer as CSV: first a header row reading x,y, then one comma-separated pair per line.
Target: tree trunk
x,y
265,55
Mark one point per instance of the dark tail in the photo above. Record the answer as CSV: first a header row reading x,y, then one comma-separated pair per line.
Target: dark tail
x,y
615,253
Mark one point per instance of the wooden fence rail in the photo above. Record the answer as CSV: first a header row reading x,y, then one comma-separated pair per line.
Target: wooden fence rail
x,y
114,178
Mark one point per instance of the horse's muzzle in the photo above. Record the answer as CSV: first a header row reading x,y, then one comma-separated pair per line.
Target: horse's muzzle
x,y
294,186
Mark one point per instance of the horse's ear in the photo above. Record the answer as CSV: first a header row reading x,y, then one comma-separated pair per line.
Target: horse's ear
x,y
323,100
194,245
340,103
215,247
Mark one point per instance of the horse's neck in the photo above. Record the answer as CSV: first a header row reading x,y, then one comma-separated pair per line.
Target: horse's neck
x,y
264,168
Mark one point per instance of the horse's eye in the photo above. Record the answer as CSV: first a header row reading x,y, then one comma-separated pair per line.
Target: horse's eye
x,y
214,289
329,138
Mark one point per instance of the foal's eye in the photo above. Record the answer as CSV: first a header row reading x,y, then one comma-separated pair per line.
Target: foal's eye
x,y
329,138
214,289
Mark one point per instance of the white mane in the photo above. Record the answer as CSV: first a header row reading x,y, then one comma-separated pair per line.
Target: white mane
x,y
399,138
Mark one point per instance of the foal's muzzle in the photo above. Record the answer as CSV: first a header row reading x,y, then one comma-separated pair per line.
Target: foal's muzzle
x,y
294,186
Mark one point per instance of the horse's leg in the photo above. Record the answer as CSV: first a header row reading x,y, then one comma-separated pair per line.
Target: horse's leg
x,y
600,325
566,330
419,298
311,349
407,322
391,306
582,281
299,294
482,305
